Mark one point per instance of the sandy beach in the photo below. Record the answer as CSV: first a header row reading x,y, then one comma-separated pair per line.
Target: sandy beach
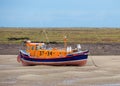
x,y
99,71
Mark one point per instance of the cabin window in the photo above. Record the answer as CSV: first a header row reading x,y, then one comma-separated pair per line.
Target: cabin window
x,y
32,48
38,47
43,46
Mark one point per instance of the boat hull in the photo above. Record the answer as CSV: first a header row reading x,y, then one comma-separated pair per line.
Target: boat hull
x,y
78,59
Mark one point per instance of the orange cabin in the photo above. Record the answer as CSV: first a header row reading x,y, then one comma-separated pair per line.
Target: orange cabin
x,y
38,50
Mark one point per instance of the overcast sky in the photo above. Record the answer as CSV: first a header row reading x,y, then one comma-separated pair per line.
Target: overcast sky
x,y
59,13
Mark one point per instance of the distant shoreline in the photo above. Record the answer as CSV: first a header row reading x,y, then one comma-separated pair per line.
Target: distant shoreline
x,y
74,35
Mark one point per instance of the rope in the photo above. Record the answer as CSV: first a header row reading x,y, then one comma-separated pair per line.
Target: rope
x,y
93,62
46,36
92,57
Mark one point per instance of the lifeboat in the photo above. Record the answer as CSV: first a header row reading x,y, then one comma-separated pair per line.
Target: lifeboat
x,y
41,54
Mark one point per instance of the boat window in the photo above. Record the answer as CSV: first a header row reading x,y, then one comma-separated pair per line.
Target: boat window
x,y
43,46
38,47
32,48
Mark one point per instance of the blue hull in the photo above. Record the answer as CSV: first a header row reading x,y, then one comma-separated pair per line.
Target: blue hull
x,y
72,59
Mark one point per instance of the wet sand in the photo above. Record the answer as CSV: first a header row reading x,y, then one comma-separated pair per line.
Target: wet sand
x,y
99,71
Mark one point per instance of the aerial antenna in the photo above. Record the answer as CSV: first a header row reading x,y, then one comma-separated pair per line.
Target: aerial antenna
x,y
65,42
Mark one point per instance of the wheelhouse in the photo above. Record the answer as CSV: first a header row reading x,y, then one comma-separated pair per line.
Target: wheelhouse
x,y
39,50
